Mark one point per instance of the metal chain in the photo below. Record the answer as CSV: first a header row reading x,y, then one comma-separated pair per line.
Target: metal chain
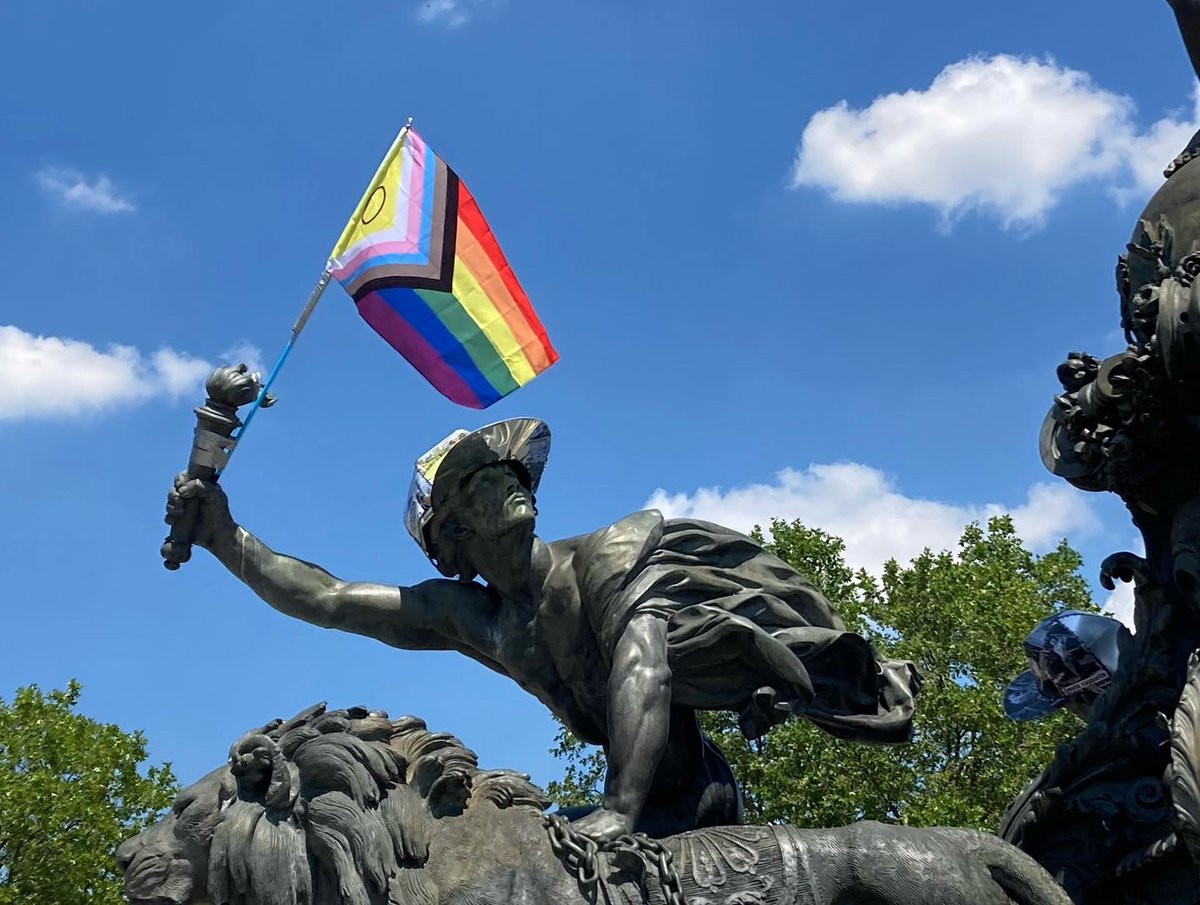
x,y
587,858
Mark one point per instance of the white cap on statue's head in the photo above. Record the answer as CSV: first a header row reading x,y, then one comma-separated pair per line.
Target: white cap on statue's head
x,y
525,441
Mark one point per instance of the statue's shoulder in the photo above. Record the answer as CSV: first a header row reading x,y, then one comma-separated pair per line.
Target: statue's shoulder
x,y
606,559
630,529
624,537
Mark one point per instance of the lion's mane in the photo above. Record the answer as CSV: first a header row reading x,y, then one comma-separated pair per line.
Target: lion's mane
x,y
340,806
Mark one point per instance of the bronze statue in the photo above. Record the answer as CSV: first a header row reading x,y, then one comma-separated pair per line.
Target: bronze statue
x,y
623,633
1115,817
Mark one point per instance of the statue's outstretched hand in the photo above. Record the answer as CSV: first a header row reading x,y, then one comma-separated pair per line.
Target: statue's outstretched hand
x,y
213,520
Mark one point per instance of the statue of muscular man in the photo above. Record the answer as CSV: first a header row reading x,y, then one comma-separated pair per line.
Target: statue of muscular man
x,y
624,633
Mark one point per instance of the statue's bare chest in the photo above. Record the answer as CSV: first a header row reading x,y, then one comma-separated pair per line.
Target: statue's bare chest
x,y
555,656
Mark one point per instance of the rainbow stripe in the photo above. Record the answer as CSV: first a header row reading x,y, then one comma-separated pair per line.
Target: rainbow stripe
x,y
426,272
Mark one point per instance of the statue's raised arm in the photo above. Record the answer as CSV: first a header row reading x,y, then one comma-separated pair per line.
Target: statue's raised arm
x,y
433,615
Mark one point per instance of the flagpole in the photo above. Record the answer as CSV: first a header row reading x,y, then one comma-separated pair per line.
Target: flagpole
x,y
313,298
318,290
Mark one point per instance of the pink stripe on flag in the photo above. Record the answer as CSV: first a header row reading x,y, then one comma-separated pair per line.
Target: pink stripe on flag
x,y
401,336
407,247
416,185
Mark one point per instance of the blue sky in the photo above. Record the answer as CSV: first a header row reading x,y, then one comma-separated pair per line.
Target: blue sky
x,y
816,261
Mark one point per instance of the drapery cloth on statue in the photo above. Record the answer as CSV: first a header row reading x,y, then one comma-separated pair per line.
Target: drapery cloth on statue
x,y
745,632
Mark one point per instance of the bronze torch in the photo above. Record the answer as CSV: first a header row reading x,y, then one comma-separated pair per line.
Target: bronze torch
x,y
212,445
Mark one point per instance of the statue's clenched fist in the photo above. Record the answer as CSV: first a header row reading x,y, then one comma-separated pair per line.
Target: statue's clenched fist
x,y
211,507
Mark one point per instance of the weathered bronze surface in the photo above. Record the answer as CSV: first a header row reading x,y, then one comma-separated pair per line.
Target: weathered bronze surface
x,y
623,633
352,808
1116,816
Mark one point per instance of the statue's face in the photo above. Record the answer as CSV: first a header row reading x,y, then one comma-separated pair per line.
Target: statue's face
x,y
494,501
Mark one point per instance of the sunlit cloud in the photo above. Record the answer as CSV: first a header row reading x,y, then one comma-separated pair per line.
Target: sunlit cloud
x,y
54,378
1002,135
72,189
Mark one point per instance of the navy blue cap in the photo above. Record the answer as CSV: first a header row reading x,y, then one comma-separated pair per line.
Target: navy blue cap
x,y
1072,656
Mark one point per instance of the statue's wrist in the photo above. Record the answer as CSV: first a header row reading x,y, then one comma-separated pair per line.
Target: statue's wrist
x,y
223,539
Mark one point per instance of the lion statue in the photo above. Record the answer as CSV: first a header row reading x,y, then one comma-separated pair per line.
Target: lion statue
x,y
350,807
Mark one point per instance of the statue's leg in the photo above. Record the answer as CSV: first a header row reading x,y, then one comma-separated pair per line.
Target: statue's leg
x,y
721,802
694,785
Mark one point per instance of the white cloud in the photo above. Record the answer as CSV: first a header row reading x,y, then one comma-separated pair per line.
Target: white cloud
x,y
47,377
72,189
862,506
177,372
1000,134
1121,603
450,13
1120,600
244,353
1149,153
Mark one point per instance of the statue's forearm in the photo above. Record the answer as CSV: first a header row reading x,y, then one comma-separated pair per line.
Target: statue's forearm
x,y
639,714
292,586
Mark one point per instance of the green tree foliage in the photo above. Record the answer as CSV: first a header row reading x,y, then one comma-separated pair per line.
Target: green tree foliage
x,y
583,778
961,617
70,792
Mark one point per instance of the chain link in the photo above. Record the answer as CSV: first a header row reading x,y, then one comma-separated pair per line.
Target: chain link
x,y
586,858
